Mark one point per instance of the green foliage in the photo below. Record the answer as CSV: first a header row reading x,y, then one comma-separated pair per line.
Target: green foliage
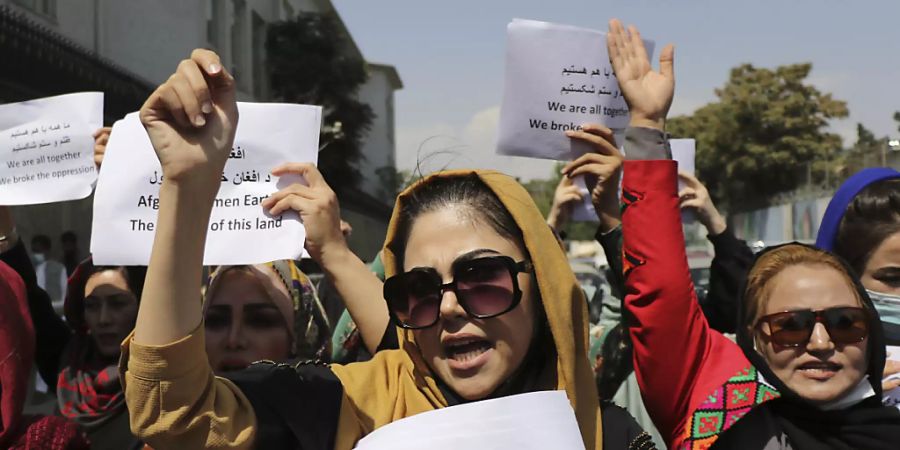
x,y
765,135
310,61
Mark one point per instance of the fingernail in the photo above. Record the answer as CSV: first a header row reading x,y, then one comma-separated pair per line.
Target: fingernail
x,y
569,133
199,121
206,107
214,68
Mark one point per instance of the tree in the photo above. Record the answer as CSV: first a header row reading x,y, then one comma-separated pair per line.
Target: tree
x,y
765,135
897,118
310,61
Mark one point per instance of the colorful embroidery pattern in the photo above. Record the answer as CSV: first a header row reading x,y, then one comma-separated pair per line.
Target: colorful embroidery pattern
x,y
724,407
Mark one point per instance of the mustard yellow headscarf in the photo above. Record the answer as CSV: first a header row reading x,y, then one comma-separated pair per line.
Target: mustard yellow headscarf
x,y
397,383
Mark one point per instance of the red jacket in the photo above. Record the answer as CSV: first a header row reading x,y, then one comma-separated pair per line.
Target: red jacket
x,y
694,381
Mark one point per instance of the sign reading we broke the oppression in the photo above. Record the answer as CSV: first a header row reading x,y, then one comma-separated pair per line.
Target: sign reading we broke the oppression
x,y
558,77
47,148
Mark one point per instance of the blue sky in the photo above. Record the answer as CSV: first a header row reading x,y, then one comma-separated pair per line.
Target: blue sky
x,y
450,55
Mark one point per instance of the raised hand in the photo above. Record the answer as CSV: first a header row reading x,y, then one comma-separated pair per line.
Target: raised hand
x,y
565,195
648,94
317,205
191,120
101,138
602,170
696,197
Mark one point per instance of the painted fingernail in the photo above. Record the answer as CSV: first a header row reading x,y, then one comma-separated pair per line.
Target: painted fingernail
x,y
199,121
206,107
214,68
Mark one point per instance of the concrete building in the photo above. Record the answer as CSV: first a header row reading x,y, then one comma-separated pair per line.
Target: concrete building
x,y
127,47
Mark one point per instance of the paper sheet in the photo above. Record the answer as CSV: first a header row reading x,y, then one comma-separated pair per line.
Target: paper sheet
x,y
240,232
684,152
533,421
892,397
47,148
558,77
583,211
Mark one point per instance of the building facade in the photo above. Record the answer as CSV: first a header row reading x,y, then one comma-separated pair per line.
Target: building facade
x,y
127,47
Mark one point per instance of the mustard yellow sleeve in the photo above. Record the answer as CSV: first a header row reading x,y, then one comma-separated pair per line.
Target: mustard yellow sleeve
x,y
175,401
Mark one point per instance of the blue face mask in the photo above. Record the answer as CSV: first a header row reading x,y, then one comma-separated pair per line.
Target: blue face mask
x,y
38,258
888,307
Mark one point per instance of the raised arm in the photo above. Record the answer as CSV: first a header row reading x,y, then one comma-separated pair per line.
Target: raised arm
x,y
318,207
732,260
191,120
174,401
672,340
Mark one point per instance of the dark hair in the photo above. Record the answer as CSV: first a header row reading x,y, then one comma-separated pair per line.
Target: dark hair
x,y
68,236
872,217
445,192
617,352
74,305
42,239
134,277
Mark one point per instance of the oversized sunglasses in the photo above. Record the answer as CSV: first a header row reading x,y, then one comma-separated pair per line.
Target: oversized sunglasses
x,y
845,325
485,287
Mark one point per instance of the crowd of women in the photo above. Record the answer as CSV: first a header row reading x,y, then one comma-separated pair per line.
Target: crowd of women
x,y
472,299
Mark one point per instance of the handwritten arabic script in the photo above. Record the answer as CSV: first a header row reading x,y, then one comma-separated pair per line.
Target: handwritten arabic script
x,y
44,132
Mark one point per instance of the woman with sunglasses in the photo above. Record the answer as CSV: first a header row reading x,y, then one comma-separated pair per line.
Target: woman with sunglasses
x,y
805,373
483,296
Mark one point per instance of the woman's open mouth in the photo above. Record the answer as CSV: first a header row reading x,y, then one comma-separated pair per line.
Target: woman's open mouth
x,y
467,353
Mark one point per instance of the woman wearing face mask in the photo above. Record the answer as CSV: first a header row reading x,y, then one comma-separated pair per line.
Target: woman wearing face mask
x,y
482,292
805,371
862,225
262,312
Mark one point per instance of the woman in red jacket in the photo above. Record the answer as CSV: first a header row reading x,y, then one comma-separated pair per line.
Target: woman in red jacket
x,y
806,371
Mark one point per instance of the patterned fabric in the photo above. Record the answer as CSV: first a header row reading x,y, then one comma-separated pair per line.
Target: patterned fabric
x,y
725,406
311,329
90,396
307,322
51,433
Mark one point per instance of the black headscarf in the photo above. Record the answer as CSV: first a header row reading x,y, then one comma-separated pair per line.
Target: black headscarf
x,y
865,425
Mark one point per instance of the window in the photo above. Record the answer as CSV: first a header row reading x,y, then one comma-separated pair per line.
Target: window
x,y
259,60
43,7
288,10
238,40
213,19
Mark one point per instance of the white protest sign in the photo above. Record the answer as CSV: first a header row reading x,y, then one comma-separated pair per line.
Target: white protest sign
x,y
684,152
47,148
558,77
583,211
240,232
537,420
892,397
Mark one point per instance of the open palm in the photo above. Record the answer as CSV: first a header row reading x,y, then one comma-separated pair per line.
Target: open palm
x,y
648,93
